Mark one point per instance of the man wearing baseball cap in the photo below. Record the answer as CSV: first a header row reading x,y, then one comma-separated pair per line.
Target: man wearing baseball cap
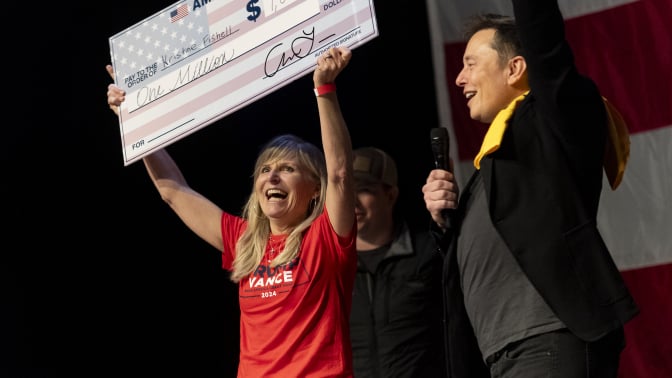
x,y
395,322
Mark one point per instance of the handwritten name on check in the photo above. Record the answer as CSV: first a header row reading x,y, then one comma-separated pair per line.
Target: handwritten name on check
x,y
195,62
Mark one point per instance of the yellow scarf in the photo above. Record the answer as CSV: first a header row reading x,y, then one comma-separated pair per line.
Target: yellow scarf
x,y
616,153
493,137
617,150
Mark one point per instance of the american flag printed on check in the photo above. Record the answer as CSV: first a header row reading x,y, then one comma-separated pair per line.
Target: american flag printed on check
x,y
179,13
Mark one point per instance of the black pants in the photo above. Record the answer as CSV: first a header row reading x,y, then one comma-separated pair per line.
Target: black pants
x,y
559,354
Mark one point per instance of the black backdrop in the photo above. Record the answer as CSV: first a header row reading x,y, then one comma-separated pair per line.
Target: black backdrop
x,y
99,277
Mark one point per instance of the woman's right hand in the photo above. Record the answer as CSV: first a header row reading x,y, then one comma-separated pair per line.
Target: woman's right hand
x,y
115,95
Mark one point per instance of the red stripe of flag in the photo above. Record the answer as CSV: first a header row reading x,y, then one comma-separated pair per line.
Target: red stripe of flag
x,y
627,50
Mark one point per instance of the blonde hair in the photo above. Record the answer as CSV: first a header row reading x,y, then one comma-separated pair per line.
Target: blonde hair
x,y
252,243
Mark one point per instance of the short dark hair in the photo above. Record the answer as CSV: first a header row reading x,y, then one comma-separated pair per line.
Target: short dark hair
x,y
506,41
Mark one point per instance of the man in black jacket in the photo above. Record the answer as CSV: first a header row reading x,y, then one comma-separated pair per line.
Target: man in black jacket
x,y
529,282
395,322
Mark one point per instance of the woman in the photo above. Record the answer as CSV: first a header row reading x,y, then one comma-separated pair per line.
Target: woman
x,y
293,250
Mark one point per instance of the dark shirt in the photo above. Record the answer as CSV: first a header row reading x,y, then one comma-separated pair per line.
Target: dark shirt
x,y
502,304
395,323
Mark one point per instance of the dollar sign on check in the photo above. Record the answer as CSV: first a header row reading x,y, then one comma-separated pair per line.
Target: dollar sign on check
x,y
255,10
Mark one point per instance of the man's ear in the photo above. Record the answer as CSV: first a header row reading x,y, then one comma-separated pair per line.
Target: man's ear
x,y
517,70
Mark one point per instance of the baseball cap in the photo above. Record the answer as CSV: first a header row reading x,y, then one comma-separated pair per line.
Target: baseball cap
x,y
373,165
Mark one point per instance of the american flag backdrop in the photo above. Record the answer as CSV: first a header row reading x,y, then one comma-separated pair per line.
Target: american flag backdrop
x,y
626,47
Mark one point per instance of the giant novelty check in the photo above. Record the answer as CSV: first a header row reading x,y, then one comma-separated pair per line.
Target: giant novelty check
x,y
197,61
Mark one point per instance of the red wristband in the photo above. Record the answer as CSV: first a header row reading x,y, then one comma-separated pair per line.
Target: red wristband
x,y
324,89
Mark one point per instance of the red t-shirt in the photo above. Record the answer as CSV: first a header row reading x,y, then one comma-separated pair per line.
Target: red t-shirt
x,y
295,318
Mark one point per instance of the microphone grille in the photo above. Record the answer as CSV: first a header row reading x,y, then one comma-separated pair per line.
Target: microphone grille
x,y
439,132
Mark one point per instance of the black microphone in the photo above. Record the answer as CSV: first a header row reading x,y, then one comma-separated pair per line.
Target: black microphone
x,y
440,147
